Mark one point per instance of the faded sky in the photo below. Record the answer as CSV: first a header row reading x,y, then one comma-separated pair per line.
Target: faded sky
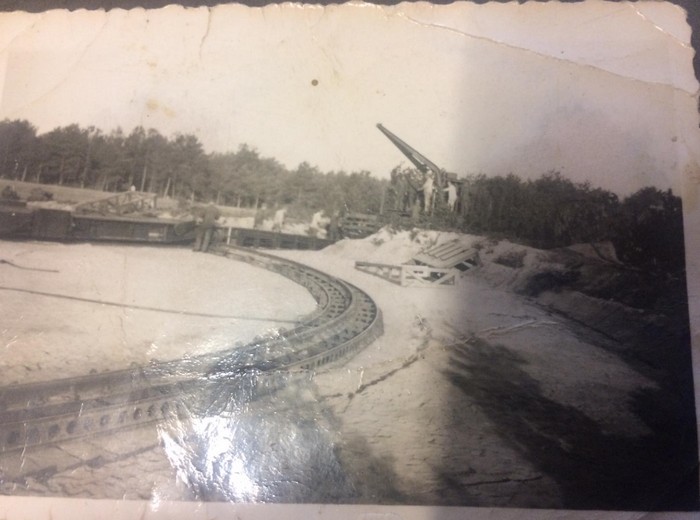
x,y
602,92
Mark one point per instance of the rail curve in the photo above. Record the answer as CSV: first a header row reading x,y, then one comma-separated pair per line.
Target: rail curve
x,y
346,319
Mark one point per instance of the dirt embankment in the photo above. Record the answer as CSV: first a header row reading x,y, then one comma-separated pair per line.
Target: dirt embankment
x,y
642,319
643,314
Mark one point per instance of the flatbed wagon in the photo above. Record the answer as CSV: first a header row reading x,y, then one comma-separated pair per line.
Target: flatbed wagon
x,y
19,221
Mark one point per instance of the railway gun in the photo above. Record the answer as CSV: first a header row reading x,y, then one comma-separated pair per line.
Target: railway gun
x,y
420,161
404,203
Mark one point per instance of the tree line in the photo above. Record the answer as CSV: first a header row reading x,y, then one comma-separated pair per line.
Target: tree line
x,y
176,167
645,227
552,211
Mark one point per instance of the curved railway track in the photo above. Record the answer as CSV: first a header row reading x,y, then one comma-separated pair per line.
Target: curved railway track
x,y
345,320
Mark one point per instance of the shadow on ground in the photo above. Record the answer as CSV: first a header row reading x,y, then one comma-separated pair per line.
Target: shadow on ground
x,y
593,469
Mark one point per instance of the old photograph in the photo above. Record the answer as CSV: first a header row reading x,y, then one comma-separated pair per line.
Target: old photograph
x,y
409,255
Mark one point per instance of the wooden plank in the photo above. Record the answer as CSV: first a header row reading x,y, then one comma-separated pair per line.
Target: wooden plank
x,y
359,225
425,276
410,275
449,255
391,273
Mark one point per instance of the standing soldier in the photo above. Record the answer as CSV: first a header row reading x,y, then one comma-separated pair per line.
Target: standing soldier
x,y
316,224
260,215
428,187
398,185
278,221
205,227
334,226
451,195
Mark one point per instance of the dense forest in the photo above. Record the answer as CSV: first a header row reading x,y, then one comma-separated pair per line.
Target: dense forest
x,y
177,167
646,227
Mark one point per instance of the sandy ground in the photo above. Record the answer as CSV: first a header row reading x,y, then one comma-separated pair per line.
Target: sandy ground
x,y
139,300
453,421
474,395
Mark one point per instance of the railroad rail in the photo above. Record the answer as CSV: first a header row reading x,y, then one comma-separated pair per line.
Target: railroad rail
x,y
344,321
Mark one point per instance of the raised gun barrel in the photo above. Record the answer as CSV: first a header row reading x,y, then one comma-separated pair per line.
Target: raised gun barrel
x,y
419,160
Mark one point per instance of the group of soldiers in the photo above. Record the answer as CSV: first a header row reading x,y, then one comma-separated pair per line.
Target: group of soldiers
x,y
320,226
415,192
